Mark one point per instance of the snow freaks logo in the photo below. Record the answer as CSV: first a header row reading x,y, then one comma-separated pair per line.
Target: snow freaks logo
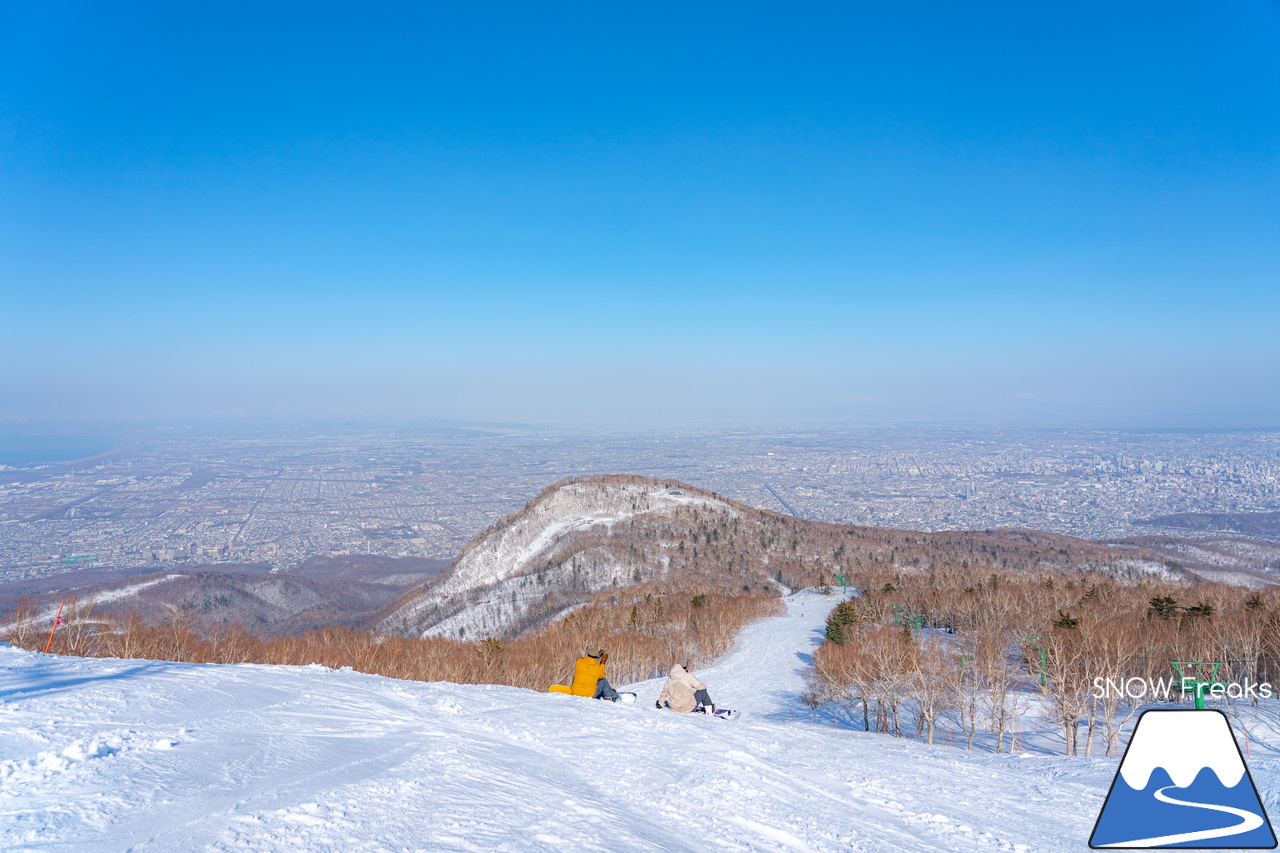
x,y
1183,783
1159,688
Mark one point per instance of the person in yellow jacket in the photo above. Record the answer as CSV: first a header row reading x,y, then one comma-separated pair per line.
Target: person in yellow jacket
x,y
589,676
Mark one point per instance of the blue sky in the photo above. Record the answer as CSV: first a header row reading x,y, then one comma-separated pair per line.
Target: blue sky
x,y
1041,213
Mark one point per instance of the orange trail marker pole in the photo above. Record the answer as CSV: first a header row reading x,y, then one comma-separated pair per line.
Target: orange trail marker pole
x,y
57,620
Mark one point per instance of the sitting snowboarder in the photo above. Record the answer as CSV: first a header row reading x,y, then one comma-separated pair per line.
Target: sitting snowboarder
x,y
589,678
683,692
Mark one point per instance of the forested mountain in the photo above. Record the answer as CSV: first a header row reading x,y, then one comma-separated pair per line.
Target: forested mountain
x,y
584,535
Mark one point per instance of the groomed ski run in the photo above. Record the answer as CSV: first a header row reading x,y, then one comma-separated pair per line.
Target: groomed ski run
x,y
132,755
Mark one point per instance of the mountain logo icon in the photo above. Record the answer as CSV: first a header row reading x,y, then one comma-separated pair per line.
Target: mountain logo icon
x,y
1183,784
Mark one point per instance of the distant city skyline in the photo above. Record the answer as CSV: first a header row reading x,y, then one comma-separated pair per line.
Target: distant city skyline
x,y
190,496
839,213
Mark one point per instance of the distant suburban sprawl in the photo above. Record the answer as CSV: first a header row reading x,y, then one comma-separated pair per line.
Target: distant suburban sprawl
x,y
278,497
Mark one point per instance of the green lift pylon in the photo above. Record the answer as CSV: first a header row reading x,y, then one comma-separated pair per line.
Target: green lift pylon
x,y
1197,685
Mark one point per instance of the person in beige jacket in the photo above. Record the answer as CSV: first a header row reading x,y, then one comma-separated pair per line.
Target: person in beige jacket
x,y
683,692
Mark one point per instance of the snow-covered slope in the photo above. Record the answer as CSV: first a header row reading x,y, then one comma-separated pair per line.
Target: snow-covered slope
x,y
572,506
320,592
1225,559
506,572
585,535
131,589
117,755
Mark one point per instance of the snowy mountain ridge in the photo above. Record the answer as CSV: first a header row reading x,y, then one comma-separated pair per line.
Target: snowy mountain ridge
x,y
573,507
504,573
581,536
321,591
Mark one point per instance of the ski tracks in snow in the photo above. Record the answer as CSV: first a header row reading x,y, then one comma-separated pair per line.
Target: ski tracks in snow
x,y
259,758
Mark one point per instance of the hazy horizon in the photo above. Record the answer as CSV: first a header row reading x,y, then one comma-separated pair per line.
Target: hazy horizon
x,y
21,435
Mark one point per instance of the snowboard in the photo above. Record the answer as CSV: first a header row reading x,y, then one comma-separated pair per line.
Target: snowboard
x,y
720,714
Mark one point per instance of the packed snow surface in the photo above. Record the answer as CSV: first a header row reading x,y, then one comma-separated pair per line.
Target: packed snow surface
x,y
117,755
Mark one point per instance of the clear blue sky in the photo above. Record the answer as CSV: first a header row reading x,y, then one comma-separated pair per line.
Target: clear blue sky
x,y
1041,212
